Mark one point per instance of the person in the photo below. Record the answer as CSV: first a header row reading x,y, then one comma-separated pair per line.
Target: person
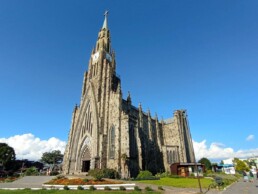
x,y
257,173
251,176
245,176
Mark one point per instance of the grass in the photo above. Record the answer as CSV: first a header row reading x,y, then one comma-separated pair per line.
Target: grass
x,y
70,192
179,182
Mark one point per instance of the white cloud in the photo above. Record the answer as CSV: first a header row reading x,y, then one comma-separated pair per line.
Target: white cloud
x,y
250,138
218,151
27,146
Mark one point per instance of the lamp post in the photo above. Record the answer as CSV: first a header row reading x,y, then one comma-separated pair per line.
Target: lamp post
x,y
198,177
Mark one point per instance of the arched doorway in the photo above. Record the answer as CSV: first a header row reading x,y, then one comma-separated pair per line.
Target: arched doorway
x,y
86,160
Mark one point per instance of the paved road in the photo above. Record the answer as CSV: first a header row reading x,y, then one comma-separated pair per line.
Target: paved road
x,y
242,187
27,182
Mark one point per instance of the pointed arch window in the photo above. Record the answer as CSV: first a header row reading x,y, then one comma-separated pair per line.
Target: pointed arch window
x,y
132,138
168,156
174,156
112,143
87,124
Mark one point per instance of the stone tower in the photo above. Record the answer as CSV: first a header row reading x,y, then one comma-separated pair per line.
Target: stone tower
x,y
107,131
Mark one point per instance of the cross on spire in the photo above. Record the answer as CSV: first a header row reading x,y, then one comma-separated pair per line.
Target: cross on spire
x,y
106,13
105,20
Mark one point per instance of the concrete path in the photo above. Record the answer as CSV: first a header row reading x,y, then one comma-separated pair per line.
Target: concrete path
x,y
175,190
242,187
27,182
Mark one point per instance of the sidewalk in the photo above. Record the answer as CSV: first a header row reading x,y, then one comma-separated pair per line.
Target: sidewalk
x,y
175,190
27,182
242,187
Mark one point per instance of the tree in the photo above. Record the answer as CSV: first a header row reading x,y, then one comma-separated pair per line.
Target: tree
x,y
7,154
206,163
240,165
250,163
54,157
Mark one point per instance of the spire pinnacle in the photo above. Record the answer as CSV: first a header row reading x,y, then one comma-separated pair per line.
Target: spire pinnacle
x,y
105,21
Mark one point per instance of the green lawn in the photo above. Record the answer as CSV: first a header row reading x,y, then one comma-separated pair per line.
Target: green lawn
x,y
179,182
71,192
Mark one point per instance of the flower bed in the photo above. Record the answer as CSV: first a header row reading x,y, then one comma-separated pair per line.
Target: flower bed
x,y
7,179
78,181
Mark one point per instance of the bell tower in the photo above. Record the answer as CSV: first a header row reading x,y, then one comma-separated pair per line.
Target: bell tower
x,y
102,54
102,64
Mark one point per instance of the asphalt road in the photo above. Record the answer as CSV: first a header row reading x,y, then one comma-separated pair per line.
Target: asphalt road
x,y
242,187
27,182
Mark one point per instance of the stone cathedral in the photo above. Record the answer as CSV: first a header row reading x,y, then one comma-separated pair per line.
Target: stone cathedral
x,y
107,131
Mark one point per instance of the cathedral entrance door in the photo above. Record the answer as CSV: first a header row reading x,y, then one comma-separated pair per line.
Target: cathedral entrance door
x,y
85,165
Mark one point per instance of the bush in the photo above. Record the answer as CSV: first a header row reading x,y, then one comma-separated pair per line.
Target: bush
x,y
145,175
162,175
148,189
122,188
80,188
92,188
227,179
136,188
85,180
66,187
60,177
107,188
97,174
110,173
54,173
31,171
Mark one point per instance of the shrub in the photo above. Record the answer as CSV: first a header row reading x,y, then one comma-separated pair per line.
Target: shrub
x,y
60,177
80,188
92,188
8,180
136,188
97,174
160,188
227,179
148,189
31,171
122,188
66,187
192,175
144,175
54,173
162,175
107,188
110,173
85,180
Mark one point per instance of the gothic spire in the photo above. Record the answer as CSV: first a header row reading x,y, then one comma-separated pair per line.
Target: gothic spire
x,y
105,21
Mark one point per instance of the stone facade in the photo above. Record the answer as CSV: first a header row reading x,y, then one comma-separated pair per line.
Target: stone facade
x,y
107,131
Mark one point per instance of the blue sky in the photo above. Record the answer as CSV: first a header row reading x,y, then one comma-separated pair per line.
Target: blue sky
x,y
196,55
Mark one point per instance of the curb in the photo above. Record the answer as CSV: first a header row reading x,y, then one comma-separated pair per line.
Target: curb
x,y
87,187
